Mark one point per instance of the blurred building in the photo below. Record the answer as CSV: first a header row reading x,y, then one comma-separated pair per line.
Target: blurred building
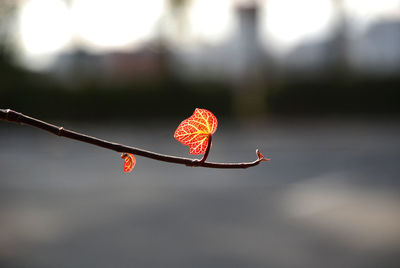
x,y
377,50
232,59
241,57
146,63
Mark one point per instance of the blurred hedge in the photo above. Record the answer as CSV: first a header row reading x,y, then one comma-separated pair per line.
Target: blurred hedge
x,y
41,96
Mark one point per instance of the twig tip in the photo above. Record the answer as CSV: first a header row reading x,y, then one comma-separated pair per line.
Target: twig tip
x,y
261,157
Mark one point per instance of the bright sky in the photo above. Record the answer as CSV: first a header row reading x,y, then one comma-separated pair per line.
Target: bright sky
x,y
116,23
287,22
50,26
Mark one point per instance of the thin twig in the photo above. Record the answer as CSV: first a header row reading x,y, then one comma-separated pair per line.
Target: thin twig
x,y
12,116
207,149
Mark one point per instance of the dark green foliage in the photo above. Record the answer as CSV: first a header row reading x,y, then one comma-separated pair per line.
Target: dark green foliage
x,y
47,98
336,97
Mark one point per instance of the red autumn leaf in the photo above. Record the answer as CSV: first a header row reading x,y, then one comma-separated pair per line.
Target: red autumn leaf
x,y
129,162
195,131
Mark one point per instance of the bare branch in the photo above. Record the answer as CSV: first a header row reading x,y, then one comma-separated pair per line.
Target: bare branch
x,y
12,116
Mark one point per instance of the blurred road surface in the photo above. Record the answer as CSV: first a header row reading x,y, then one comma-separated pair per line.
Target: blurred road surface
x,y
330,197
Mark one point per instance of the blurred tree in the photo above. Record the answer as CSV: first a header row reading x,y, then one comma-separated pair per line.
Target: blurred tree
x,y
340,39
251,83
178,10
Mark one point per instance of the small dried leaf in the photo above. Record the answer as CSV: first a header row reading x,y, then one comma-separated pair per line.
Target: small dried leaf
x,y
129,162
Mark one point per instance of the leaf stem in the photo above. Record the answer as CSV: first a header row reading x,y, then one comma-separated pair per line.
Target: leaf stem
x,y
207,149
12,116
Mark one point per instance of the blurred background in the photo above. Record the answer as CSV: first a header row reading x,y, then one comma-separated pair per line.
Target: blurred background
x,y
314,84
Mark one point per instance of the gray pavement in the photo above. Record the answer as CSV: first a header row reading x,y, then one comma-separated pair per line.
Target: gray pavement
x,y
330,197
